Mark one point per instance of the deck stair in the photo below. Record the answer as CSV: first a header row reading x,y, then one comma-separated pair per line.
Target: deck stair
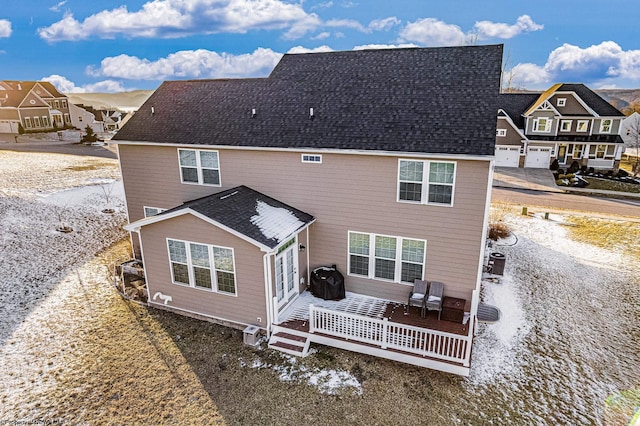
x,y
289,341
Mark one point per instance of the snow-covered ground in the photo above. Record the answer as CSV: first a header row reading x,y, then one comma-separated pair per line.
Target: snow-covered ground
x,y
566,343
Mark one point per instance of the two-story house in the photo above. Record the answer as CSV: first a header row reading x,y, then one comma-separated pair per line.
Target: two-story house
x,y
567,122
37,106
237,189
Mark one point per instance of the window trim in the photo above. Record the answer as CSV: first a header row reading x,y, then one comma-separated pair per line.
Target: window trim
x,y
371,270
586,126
424,196
563,123
578,153
199,168
547,128
212,267
311,158
602,121
561,102
144,209
501,132
27,123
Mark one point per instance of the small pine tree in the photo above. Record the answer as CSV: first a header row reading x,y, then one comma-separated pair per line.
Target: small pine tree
x,y
90,135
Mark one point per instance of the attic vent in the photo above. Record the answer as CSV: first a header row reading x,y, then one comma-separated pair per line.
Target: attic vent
x,y
229,195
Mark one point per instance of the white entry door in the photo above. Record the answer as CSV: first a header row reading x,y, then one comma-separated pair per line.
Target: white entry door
x,y
538,157
286,273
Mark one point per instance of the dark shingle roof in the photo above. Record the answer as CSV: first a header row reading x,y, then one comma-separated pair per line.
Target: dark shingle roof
x,y
436,100
591,98
514,104
259,217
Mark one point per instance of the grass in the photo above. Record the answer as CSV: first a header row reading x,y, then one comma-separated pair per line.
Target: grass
x,y
611,185
607,234
92,165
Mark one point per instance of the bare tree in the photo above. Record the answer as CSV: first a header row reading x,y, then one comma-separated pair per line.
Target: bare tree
x,y
107,190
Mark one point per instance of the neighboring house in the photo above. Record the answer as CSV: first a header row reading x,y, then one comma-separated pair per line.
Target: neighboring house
x,y
36,105
359,159
630,130
82,116
568,122
111,119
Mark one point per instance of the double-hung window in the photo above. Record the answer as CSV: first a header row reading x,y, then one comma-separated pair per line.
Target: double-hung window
x,y
542,124
202,266
565,125
426,182
199,167
605,125
386,257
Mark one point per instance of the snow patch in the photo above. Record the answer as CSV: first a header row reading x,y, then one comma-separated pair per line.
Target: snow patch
x,y
329,382
275,223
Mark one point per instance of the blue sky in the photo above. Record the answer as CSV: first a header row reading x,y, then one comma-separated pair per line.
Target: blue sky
x,y
117,45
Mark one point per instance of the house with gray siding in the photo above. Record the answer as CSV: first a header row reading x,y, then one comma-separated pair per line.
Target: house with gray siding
x,y
568,122
359,161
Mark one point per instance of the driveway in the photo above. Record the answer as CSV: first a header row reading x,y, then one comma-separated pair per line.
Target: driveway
x,y
536,187
49,142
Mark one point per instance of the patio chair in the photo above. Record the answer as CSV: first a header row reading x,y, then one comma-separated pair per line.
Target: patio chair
x,y
417,296
433,301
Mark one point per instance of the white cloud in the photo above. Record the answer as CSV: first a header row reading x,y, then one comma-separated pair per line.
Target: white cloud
x,y
67,86
383,46
199,63
179,18
597,65
5,28
433,32
346,23
384,24
321,36
300,49
56,7
488,29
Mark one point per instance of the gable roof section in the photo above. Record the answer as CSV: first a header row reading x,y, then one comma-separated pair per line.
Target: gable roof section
x,y
514,105
246,213
592,99
433,100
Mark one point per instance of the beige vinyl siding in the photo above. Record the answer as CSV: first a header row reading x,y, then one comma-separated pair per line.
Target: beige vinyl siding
x,y
344,193
244,308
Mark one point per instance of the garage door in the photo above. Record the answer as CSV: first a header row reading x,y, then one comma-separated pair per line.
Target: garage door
x,y
538,157
507,156
8,127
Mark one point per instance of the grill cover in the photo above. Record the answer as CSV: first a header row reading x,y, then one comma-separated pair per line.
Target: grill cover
x,y
327,283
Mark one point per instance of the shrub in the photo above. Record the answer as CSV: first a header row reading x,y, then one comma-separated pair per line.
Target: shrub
x,y
622,173
575,166
554,165
498,230
583,169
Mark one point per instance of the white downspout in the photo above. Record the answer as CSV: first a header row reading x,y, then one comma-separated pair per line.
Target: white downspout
x,y
266,264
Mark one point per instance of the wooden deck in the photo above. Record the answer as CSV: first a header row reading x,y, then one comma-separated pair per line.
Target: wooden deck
x,y
296,316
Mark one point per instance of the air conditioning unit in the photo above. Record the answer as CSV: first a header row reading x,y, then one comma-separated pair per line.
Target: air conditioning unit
x,y
251,335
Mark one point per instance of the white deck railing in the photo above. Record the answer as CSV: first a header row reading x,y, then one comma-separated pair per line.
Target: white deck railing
x,y
386,334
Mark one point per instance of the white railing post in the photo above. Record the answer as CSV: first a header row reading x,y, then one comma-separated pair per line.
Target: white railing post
x,y
276,319
385,326
312,319
474,311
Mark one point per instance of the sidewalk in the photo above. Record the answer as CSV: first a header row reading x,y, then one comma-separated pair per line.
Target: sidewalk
x,y
542,180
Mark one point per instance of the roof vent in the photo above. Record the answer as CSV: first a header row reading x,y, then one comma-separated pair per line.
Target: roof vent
x,y
253,113
311,116
153,111
228,195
